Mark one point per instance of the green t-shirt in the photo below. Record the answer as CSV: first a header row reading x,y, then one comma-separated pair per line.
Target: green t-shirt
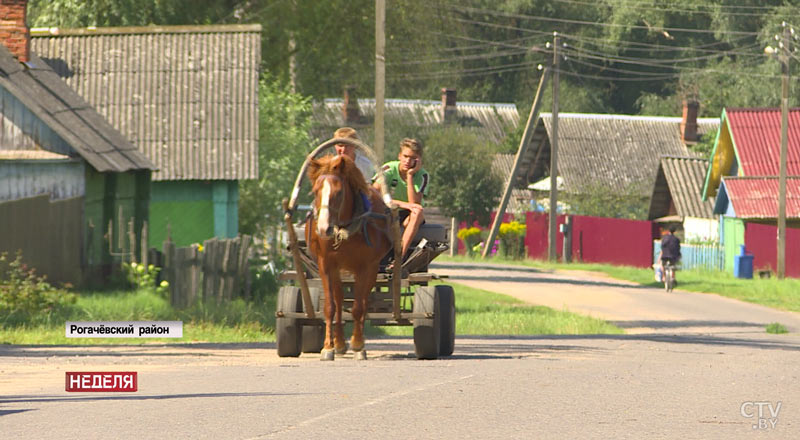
x,y
397,186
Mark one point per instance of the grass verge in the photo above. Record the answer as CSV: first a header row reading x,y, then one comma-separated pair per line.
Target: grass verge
x,y
478,312
770,292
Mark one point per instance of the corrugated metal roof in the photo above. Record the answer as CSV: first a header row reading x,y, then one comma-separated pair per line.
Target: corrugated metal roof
x,y
619,151
757,197
488,121
47,96
186,96
685,177
756,135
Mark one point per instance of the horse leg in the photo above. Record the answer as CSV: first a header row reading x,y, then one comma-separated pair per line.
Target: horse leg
x,y
327,353
364,282
338,328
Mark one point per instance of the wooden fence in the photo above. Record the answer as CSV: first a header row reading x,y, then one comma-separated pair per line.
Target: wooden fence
x,y
218,271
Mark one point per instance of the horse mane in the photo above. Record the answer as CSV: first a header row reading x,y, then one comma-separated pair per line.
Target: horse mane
x,y
341,166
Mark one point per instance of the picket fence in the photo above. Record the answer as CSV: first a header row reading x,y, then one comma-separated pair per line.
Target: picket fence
x,y
697,256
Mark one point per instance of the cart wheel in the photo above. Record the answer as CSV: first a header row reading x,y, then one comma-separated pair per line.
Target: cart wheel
x,y
447,304
427,331
314,335
287,330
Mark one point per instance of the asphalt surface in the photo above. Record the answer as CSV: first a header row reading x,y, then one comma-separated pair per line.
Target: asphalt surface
x,y
677,381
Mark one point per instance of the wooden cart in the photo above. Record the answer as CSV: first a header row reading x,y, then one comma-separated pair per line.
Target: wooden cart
x,y
402,297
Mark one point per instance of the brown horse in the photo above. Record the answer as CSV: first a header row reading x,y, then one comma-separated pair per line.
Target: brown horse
x,y
348,235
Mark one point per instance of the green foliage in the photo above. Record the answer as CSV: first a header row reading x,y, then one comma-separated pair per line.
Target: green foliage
x,y
776,328
82,13
146,278
512,239
462,182
284,141
25,295
600,200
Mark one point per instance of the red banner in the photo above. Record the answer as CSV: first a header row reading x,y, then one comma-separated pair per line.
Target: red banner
x,y
107,382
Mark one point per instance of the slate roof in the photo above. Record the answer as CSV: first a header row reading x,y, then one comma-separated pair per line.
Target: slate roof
x,y
757,197
520,198
186,96
679,180
619,151
488,121
75,121
756,134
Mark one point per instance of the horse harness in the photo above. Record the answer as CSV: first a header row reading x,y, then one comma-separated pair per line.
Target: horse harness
x,y
362,215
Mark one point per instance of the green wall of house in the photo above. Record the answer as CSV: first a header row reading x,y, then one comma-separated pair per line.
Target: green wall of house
x,y
109,196
194,210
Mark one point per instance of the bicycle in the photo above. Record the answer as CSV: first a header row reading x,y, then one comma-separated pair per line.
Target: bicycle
x,y
669,276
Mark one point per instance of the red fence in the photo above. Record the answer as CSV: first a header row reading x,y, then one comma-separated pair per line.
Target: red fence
x,y
595,239
762,241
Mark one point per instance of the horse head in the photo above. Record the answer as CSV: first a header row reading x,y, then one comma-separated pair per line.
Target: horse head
x,y
336,181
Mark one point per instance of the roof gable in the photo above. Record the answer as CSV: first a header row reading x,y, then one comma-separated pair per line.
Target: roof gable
x,y
682,184
186,96
72,119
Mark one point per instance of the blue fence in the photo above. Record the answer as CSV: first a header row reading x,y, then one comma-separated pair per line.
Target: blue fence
x,y
694,256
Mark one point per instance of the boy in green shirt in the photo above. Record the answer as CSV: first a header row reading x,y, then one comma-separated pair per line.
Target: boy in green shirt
x,y
407,182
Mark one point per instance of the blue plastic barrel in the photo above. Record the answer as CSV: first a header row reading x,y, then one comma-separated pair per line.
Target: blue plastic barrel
x,y
743,264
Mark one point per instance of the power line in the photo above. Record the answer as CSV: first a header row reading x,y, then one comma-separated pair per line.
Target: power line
x,y
590,23
642,6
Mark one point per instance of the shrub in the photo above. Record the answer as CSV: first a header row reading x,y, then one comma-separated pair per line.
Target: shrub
x,y
143,277
512,239
23,294
470,237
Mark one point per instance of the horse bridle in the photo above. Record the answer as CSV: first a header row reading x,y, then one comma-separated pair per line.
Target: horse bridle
x,y
325,204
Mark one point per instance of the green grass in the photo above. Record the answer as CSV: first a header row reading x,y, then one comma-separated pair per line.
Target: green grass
x,y
478,312
776,328
771,292
236,321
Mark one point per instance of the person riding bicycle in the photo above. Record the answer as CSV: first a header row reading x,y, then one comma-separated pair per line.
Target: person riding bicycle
x,y
670,249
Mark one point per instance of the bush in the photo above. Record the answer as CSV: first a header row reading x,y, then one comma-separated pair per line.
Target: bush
x,y
143,277
470,237
512,239
24,295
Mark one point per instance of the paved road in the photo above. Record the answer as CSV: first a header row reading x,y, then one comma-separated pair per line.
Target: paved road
x,y
628,305
664,384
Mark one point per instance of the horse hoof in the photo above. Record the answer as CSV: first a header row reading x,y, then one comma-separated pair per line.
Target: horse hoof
x,y
341,350
360,355
326,355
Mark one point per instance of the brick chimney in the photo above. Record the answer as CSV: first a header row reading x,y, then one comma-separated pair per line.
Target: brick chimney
x,y
350,111
448,105
689,121
14,30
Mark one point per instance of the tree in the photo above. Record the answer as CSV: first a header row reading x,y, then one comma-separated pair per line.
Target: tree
x,y
82,13
284,141
462,182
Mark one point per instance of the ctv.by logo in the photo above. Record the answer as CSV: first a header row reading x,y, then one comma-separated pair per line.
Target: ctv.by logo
x,y
767,414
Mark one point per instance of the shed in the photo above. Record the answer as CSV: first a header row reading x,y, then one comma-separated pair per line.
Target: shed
x,y
187,98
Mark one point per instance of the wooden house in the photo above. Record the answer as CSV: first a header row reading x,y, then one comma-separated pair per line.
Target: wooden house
x,y
619,152
187,98
676,198
742,178
65,172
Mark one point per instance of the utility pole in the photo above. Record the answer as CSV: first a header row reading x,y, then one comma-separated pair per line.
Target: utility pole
x,y
524,144
380,75
786,40
551,241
